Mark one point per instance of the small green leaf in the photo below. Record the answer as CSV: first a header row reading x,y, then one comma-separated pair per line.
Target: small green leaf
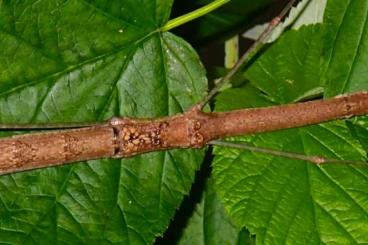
x,y
75,61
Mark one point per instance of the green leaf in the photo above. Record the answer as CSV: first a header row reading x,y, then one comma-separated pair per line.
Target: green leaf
x,y
285,201
209,224
74,61
288,201
290,69
346,46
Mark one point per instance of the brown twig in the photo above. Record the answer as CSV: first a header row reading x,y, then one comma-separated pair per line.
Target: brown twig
x,y
125,137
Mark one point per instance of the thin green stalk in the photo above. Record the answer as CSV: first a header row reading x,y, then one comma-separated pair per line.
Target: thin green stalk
x,y
291,155
193,15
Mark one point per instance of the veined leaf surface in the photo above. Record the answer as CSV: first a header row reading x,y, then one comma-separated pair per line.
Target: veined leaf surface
x,y
78,61
285,201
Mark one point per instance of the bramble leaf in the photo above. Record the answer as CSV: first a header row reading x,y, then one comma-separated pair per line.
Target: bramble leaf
x,y
285,201
78,61
289,201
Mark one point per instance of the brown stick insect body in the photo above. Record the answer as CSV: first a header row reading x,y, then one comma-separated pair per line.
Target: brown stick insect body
x,y
125,137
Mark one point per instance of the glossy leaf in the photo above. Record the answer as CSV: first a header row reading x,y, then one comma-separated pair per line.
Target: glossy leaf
x,y
64,61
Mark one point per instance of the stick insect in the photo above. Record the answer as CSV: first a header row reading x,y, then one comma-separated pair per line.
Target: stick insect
x,y
126,137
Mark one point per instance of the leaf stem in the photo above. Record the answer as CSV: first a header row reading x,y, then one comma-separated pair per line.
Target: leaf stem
x,y
291,155
193,15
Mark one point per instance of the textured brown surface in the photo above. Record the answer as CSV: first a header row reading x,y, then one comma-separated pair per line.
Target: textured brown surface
x,y
125,137
47,149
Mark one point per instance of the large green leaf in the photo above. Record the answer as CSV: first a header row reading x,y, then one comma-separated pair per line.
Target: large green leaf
x,y
288,201
346,46
85,60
